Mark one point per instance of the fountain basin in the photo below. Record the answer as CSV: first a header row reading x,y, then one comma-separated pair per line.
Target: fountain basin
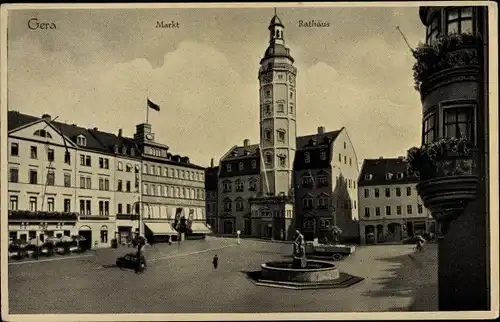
x,y
315,271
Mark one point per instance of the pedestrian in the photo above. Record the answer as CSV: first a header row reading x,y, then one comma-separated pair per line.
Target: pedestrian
x,y
215,261
140,251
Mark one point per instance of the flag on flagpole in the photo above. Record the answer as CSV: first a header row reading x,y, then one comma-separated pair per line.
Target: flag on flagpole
x,y
153,106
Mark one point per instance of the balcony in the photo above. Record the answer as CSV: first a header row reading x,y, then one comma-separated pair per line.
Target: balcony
x,y
448,173
127,216
45,215
450,59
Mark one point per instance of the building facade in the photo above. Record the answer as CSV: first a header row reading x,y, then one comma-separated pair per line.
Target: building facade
x,y
326,169
55,170
390,209
455,95
258,183
173,190
238,182
127,182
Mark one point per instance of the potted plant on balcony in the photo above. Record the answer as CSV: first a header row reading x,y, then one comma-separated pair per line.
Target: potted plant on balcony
x,y
448,52
447,174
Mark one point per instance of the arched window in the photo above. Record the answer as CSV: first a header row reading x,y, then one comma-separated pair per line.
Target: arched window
x,y
228,204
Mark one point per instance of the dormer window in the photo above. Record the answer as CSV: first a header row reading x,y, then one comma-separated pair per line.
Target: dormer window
x,y
254,164
116,148
228,167
132,151
124,150
388,176
241,166
81,140
307,157
368,176
323,155
312,142
400,175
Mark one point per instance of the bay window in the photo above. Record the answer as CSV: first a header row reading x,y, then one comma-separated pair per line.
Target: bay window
x,y
429,129
433,30
458,122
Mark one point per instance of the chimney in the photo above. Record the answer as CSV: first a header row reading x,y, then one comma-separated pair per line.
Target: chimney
x,y
212,163
321,130
246,143
46,117
120,133
95,129
380,158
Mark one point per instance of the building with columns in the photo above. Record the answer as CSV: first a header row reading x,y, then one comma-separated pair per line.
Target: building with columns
x,y
257,182
390,209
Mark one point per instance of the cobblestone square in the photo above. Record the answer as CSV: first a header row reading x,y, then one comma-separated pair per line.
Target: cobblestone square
x,y
183,280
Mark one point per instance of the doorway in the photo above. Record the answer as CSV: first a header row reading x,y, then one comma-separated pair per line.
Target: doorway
x,y
87,243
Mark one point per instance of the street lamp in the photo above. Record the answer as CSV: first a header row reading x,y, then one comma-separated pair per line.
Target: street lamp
x,y
140,219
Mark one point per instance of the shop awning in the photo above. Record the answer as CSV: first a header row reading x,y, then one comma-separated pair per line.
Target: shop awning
x,y
161,228
200,228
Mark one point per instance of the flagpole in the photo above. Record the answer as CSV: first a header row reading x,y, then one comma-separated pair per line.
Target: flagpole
x,y
147,112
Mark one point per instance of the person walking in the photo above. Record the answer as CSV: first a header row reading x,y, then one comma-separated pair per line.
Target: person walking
x,y
215,261
140,251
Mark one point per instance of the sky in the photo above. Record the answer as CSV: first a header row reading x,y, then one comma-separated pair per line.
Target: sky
x,y
100,65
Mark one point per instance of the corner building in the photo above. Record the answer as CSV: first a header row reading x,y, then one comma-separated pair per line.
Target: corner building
x,y
455,98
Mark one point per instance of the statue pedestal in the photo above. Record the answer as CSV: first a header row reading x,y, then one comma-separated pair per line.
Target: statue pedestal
x,y
299,262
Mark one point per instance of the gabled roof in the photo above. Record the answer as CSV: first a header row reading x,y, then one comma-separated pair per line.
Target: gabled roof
x,y
16,120
241,152
307,141
378,168
110,140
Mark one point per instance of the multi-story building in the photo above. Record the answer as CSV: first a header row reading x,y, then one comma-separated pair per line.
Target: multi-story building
x,y
326,170
55,169
455,95
211,193
257,187
173,188
239,180
68,180
390,209
127,181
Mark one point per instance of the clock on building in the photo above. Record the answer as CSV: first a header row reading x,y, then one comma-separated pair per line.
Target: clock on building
x,y
149,137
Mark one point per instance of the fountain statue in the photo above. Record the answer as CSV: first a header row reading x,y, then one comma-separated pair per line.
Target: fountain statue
x,y
299,256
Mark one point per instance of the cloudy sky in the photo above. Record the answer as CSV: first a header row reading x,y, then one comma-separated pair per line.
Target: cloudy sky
x,y
99,66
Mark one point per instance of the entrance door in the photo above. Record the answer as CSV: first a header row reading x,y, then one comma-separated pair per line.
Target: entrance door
x,y
87,243
228,227
269,231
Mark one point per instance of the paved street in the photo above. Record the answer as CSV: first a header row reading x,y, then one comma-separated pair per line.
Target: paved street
x,y
183,280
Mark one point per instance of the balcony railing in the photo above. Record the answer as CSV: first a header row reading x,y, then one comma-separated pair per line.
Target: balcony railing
x,y
55,215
